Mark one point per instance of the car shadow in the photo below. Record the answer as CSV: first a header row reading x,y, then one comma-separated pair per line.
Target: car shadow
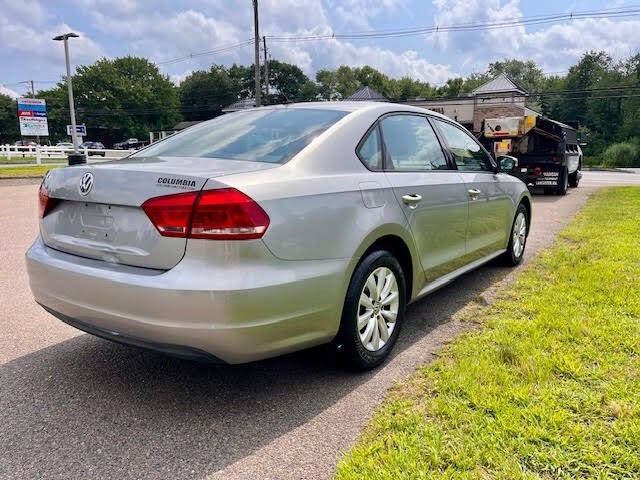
x,y
90,408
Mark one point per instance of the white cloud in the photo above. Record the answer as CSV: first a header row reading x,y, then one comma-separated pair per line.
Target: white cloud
x,y
34,43
162,37
553,47
7,91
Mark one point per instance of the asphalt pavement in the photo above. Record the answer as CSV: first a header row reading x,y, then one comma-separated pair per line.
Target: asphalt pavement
x,y
74,406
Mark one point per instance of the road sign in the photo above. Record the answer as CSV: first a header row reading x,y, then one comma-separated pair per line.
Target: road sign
x,y
81,130
32,114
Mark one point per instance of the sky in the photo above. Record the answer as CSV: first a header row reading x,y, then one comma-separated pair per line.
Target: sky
x,y
162,30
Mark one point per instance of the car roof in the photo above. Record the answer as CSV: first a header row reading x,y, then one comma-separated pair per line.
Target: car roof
x,y
347,106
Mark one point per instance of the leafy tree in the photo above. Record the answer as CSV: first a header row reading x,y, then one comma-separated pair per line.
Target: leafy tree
x,y
9,129
203,94
116,99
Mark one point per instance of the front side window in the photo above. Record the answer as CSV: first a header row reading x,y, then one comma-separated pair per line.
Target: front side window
x,y
466,151
411,144
265,135
370,151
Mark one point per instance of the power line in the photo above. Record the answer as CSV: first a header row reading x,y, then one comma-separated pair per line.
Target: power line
x,y
221,49
468,27
586,94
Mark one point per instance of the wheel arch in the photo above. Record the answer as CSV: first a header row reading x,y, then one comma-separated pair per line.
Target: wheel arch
x,y
398,241
526,201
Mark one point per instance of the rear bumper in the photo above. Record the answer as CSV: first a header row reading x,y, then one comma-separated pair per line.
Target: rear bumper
x,y
216,308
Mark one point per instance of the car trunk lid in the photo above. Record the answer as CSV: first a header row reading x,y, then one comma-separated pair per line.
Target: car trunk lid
x,y
98,211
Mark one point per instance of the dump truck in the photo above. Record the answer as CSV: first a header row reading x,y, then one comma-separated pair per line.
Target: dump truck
x,y
548,154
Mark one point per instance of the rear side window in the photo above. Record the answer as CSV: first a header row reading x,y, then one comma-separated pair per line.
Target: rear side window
x,y
370,151
265,135
411,144
466,151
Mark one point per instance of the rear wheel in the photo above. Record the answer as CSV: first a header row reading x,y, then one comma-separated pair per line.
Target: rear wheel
x,y
563,182
517,239
574,178
373,310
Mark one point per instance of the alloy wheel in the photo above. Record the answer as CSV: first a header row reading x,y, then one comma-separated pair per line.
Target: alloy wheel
x,y
378,309
519,234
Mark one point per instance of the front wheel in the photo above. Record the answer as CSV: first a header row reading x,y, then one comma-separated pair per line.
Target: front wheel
x,y
518,239
373,310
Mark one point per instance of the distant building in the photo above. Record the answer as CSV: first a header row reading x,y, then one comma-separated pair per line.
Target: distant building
x,y
500,97
366,94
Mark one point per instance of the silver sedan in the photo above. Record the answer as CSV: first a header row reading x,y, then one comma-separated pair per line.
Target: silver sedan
x,y
275,229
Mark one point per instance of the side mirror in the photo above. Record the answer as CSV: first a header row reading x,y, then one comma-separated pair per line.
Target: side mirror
x,y
507,163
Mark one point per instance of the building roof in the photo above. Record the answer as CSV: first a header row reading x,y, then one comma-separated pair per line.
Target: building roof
x,y
367,94
240,105
499,84
186,124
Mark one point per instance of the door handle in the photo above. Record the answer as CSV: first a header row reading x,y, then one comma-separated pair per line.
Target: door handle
x,y
474,193
412,200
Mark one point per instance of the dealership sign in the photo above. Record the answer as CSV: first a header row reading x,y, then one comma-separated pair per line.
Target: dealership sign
x,y
81,130
32,113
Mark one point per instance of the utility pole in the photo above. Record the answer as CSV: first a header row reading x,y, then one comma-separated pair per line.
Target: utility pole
x,y
33,95
266,69
256,42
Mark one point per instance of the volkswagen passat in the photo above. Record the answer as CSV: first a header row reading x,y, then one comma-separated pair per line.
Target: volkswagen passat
x,y
274,229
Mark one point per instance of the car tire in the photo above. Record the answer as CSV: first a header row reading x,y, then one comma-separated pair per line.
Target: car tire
x,y
515,252
574,178
564,182
360,319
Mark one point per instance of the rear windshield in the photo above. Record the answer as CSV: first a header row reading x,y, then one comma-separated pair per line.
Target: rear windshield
x,y
271,135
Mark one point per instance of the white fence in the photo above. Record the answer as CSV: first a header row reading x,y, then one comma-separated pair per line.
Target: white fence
x,y
41,152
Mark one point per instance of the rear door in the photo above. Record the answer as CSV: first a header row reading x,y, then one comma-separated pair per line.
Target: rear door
x,y
490,206
431,194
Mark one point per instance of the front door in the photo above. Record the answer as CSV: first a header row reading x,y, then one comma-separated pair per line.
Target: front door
x,y
432,194
490,206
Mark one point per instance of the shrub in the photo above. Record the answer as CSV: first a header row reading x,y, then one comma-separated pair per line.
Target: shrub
x,y
623,154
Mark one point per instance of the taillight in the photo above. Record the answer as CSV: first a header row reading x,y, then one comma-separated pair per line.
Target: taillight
x,y
227,214
45,202
171,214
223,214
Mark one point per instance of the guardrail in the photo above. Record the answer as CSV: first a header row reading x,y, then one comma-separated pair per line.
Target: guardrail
x,y
40,152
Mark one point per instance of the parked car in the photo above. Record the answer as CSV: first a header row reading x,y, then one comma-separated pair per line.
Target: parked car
x,y
21,143
130,143
92,147
64,144
275,229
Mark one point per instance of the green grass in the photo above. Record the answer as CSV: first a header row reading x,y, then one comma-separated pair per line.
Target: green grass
x,y
13,159
31,171
548,388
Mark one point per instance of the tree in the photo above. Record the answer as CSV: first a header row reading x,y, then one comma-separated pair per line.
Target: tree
x,y
203,94
124,97
9,131
286,83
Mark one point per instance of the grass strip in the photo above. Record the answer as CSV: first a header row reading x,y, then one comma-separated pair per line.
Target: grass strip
x,y
548,388
30,171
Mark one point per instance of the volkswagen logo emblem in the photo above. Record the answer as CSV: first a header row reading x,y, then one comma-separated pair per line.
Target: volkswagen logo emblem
x,y
86,184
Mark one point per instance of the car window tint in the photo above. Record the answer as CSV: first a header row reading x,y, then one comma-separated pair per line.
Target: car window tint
x,y
411,144
272,135
469,156
370,151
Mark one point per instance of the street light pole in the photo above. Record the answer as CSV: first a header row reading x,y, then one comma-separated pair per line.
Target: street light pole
x,y
65,38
